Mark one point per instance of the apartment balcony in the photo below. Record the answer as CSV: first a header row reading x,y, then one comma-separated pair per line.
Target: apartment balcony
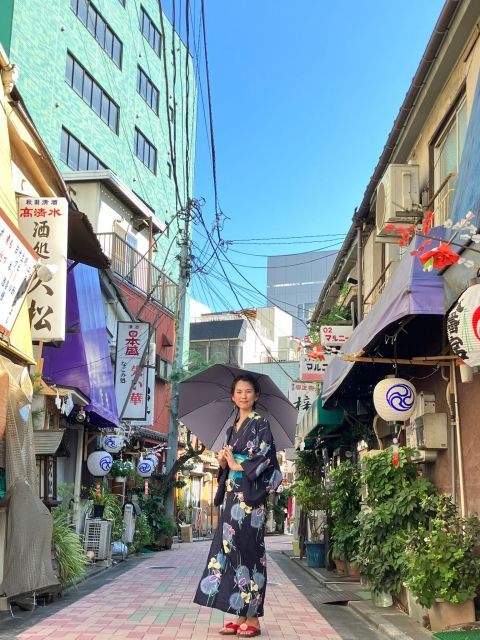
x,y
376,291
137,271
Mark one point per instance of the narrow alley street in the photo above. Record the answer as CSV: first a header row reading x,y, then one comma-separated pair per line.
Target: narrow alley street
x,y
151,598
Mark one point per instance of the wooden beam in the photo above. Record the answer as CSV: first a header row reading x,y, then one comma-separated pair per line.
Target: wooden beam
x,y
427,361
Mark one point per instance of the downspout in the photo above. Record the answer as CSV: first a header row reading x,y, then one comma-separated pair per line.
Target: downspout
x,y
453,453
458,433
78,480
359,271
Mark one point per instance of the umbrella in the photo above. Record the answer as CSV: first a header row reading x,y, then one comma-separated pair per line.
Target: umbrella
x,y
205,406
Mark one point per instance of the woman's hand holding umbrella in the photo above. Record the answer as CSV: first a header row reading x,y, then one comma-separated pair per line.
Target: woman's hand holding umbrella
x,y
222,461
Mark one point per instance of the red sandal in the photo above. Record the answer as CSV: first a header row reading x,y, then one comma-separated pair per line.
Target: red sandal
x,y
230,629
248,631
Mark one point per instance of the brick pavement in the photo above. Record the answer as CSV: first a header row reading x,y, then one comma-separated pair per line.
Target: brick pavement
x,y
153,601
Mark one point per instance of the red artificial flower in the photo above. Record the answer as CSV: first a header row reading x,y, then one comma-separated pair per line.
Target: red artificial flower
x,y
443,256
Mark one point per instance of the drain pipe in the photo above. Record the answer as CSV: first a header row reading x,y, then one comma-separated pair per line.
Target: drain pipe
x,y
453,453
458,433
359,271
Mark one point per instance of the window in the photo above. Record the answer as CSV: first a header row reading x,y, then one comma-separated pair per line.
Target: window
x,y
91,92
163,368
447,153
150,32
74,154
145,151
99,28
147,90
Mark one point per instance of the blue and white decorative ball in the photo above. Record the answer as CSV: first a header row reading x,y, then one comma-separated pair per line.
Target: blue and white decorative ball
x,y
394,399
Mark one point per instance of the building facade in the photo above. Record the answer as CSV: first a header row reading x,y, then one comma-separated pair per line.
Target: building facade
x,y
294,283
111,95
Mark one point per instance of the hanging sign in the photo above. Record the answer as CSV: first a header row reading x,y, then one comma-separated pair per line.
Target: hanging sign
x,y
44,223
333,337
132,340
463,326
313,369
302,395
149,414
17,267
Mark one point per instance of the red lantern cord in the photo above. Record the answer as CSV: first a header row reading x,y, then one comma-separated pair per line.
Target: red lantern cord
x,y
99,490
146,487
395,460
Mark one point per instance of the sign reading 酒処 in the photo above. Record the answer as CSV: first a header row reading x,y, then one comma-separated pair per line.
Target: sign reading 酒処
x,y
44,223
132,340
17,266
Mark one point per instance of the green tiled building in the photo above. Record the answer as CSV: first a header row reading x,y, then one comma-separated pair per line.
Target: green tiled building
x,y
105,83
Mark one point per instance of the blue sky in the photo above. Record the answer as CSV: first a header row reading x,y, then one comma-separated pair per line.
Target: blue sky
x,y
304,96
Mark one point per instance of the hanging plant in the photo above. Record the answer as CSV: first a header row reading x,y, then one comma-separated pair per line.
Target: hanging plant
x,y
122,469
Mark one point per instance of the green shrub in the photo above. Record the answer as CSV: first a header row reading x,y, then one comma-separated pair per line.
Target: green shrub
x,y
67,548
394,508
143,533
344,490
439,558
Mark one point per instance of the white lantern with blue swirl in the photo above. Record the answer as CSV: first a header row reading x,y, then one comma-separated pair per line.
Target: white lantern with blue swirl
x,y
394,399
145,467
99,463
113,443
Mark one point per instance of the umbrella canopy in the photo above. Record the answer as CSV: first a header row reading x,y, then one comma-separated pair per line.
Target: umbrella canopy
x,y
205,406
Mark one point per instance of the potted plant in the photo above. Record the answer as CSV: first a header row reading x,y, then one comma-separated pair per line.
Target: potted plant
x,y
313,498
166,529
344,489
443,572
121,470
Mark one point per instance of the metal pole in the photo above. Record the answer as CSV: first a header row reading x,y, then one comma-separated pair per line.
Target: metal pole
x,y
183,284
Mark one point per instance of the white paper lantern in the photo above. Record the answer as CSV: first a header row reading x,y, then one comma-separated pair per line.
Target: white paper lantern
x,y
153,458
394,399
113,443
99,463
463,326
145,467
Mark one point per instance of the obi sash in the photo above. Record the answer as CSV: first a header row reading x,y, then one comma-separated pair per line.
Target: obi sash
x,y
238,457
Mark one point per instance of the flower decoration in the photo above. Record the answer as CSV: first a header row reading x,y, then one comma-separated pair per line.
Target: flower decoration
x,y
439,257
316,353
214,564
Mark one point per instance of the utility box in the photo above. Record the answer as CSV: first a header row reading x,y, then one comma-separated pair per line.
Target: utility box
x,y
430,431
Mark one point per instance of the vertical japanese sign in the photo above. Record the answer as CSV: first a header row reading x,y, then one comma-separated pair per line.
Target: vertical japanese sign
x,y
17,266
44,223
302,395
150,413
132,339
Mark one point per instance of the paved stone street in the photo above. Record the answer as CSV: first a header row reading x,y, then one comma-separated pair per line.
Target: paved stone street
x,y
153,600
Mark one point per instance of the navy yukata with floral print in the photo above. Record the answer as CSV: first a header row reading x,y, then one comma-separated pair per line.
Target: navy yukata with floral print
x,y
235,578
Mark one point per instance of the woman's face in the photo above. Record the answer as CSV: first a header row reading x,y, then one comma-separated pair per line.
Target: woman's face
x,y
244,396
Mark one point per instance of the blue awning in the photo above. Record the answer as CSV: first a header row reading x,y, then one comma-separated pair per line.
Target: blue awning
x,y
83,360
409,292
466,198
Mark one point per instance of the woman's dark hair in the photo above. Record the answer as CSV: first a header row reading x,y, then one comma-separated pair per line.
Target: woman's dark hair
x,y
245,377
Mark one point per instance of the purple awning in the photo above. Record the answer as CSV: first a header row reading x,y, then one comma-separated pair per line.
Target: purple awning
x,y
410,291
83,361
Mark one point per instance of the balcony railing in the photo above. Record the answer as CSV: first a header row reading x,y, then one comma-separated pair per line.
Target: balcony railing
x,y
377,289
139,272
442,198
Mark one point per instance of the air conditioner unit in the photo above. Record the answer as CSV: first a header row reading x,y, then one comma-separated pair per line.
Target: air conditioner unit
x,y
421,457
397,199
98,535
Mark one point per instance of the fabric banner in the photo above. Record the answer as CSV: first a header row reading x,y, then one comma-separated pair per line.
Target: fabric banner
x,y
132,340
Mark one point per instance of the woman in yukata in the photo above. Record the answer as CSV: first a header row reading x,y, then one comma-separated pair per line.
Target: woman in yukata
x,y
235,577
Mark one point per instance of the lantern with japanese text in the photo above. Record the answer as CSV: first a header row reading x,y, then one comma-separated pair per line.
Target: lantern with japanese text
x,y
463,326
99,463
394,399
113,443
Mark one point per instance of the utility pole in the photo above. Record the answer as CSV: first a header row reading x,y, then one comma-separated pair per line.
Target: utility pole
x,y
183,285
